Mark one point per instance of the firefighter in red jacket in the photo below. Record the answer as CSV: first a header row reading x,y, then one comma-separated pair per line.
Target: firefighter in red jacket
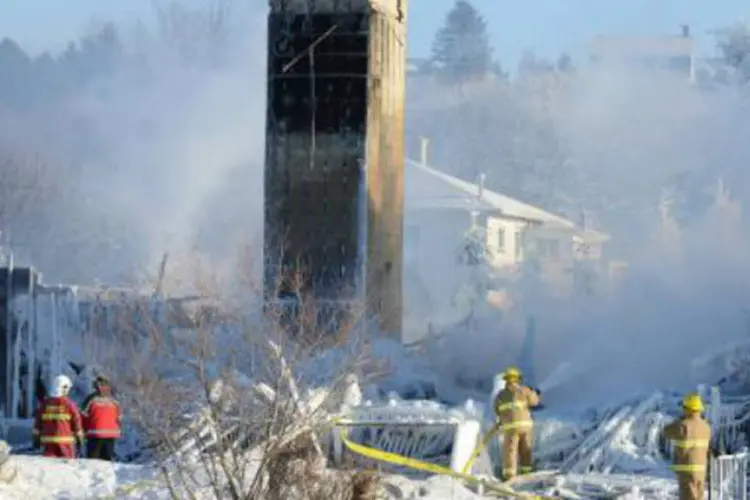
x,y
102,421
57,423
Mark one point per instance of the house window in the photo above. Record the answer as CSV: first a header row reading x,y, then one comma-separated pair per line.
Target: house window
x,y
518,243
501,240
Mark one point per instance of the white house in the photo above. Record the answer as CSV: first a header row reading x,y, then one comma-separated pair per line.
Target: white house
x,y
440,208
674,53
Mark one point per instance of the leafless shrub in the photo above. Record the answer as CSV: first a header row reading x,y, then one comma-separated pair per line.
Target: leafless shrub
x,y
227,406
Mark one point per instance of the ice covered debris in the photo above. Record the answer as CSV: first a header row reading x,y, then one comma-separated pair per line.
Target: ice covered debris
x,y
621,450
352,395
622,439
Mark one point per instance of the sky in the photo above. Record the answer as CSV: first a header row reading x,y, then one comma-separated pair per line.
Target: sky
x,y
548,27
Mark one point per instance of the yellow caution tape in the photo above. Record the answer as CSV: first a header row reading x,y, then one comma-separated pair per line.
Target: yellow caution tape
x,y
412,463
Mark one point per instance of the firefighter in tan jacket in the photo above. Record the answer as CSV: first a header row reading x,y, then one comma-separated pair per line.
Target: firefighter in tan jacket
x,y
512,406
691,438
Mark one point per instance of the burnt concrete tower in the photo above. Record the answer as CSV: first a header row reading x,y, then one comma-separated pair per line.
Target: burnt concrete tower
x,y
335,151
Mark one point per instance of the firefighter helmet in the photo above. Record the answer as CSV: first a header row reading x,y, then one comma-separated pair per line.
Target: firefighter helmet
x,y
512,374
692,403
61,386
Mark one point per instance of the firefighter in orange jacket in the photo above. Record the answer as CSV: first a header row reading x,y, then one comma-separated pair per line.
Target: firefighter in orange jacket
x,y
691,439
512,406
102,421
57,424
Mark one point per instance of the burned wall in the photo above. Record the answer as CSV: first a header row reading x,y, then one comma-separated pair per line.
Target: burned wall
x,y
334,150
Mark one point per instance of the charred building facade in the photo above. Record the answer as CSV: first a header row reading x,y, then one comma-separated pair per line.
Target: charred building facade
x,y
335,152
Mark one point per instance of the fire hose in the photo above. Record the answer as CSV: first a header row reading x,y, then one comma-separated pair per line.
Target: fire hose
x,y
482,445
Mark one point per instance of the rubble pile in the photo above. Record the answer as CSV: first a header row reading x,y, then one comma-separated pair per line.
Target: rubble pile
x,y
622,439
627,438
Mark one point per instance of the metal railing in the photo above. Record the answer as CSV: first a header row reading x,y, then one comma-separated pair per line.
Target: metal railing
x,y
728,477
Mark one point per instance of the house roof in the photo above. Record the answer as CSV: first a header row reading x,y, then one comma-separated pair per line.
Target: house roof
x,y
426,187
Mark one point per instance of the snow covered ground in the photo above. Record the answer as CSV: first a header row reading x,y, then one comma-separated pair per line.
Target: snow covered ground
x,y
38,477
43,478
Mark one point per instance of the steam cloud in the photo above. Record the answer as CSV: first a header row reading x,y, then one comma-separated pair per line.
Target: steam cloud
x,y
178,161
631,141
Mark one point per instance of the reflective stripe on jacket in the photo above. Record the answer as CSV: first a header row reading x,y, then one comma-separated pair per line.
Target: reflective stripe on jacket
x,y
101,414
691,438
58,421
512,406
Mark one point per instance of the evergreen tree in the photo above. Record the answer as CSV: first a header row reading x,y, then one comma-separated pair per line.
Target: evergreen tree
x,y
565,63
15,67
734,46
475,257
461,49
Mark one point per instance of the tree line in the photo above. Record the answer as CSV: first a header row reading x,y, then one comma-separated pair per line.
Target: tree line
x,y
462,51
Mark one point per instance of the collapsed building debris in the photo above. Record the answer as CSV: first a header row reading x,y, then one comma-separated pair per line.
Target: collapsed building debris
x,y
46,330
613,451
34,320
